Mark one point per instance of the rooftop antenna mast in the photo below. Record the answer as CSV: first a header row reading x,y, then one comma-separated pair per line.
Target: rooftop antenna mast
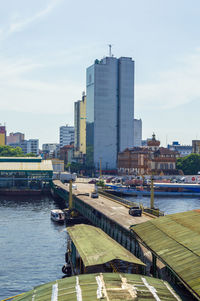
x,y
110,51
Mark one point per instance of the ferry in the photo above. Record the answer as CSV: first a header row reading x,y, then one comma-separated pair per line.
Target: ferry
x,y
91,250
160,189
57,215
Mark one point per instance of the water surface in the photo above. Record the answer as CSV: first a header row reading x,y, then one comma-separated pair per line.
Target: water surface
x,y
32,247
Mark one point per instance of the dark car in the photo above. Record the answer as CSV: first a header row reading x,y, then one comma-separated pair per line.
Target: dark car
x,y
135,211
93,181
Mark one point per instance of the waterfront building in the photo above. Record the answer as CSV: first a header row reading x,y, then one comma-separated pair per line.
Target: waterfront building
x,y
196,146
147,160
15,138
80,129
184,150
58,165
66,135
109,110
25,172
2,135
137,132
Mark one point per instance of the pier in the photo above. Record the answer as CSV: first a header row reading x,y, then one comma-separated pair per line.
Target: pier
x,y
113,218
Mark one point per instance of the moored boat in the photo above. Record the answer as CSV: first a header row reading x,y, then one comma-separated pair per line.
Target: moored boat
x,y
57,215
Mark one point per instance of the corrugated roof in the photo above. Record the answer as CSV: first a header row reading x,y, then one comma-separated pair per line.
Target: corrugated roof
x,y
96,247
24,159
44,165
175,239
105,286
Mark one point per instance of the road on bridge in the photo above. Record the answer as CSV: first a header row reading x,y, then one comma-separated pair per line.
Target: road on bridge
x,y
113,210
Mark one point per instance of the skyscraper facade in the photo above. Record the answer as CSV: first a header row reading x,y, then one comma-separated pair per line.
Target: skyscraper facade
x,y
137,132
109,109
66,135
80,126
2,135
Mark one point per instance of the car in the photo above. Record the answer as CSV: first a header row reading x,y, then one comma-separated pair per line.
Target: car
x,y
94,195
135,211
74,186
93,181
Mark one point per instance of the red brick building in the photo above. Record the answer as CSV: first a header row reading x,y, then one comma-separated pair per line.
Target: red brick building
x,y
147,160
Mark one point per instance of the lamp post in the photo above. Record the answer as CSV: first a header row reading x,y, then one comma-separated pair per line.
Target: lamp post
x,y
152,193
100,168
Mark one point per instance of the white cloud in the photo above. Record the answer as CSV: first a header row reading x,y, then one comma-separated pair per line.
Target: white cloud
x,y
173,87
21,23
21,93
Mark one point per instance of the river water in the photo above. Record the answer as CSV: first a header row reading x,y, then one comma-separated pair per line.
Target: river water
x,y
169,205
32,247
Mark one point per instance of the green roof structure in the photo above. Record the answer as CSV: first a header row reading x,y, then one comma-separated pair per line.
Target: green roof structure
x,y
106,286
96,247
26,165
175,240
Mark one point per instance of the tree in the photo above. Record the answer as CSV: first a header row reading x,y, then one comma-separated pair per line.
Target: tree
x,y
190,164
8,151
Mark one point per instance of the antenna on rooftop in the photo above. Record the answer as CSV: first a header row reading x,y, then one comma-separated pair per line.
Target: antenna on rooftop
x,y
110,49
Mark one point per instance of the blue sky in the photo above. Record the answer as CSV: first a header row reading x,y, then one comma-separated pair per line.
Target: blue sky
x,y
46,46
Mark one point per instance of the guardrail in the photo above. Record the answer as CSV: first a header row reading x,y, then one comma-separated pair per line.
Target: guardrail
x,y
118,199
128,204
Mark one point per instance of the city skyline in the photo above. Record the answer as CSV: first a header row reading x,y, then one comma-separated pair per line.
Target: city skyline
x,y
47,45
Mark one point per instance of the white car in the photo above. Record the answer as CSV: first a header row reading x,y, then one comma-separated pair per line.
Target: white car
x,y
74,186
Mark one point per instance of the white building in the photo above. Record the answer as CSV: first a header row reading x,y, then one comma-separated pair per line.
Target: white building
x,y
66,135
137,132
184,150
28,146
50,148
109,109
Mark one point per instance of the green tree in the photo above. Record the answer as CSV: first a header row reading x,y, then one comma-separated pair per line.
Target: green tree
x,y
190,164
8,151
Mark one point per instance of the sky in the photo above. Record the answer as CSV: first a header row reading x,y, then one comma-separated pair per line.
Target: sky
x,y
46,46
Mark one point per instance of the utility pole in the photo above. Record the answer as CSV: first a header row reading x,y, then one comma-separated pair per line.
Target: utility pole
x,y
100,168
70,195
152,193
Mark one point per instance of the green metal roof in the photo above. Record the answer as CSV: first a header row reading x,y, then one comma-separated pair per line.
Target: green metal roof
x,y
20,159
175,240
96,247
45,165
107,286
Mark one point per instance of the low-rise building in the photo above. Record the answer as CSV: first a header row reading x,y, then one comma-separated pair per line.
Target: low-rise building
x,y
25,172
28,146
49,150
196,146
15,138
184,150
67,153
58,165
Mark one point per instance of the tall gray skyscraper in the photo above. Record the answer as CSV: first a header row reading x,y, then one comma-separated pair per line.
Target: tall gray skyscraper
x,y
109,109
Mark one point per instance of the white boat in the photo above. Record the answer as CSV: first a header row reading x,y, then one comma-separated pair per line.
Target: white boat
x,y
57,215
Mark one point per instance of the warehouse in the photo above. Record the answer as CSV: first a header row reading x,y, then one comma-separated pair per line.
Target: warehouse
x,y
25,172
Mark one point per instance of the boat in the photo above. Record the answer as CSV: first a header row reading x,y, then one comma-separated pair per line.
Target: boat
x,y
91,250
57,215
160,189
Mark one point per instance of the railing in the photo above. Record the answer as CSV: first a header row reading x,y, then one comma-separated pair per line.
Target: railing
x,y
128,204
